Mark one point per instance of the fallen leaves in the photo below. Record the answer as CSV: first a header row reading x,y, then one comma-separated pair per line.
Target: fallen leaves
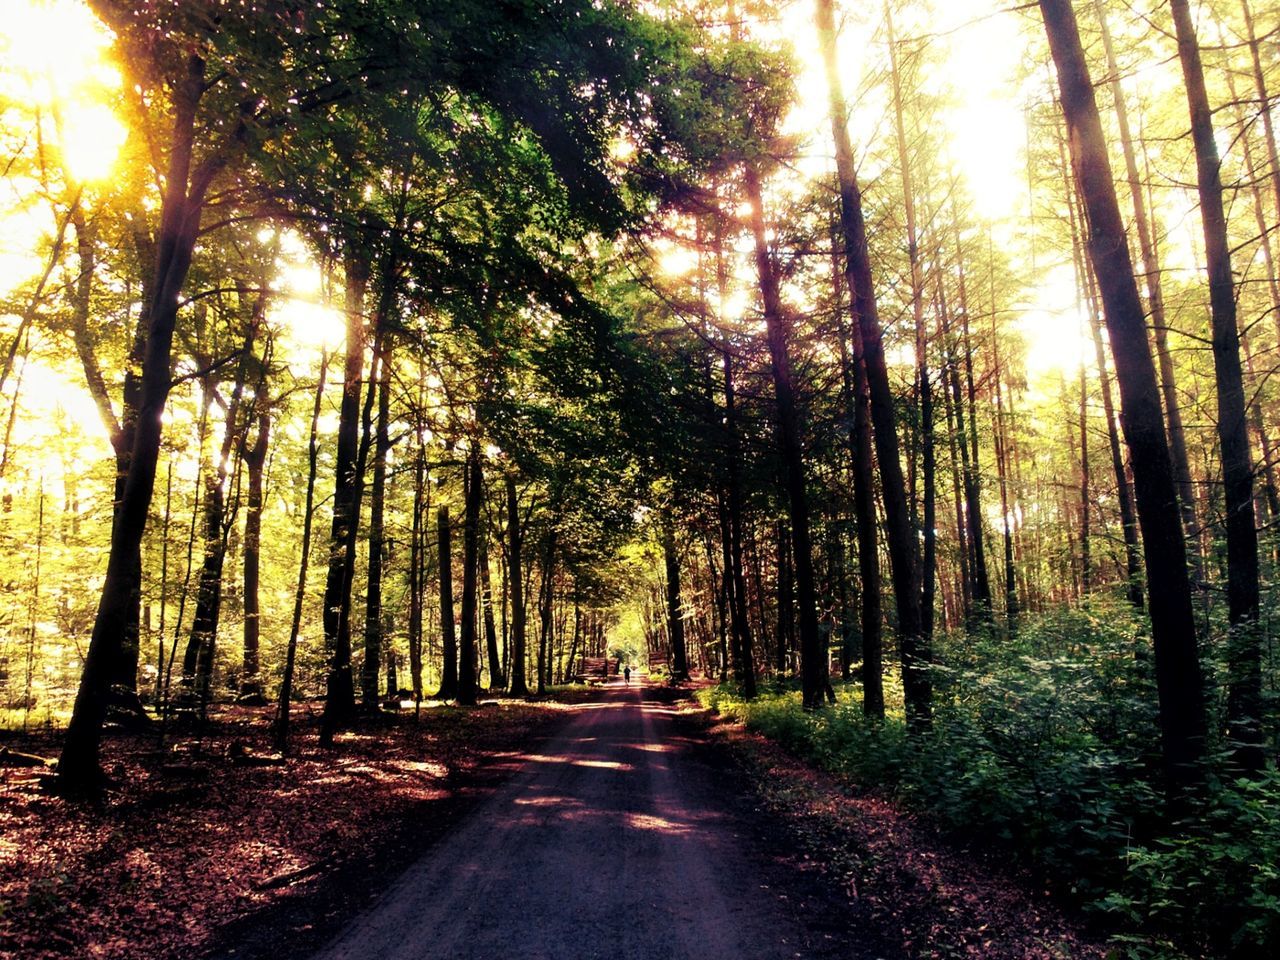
x,y
933,899
215,829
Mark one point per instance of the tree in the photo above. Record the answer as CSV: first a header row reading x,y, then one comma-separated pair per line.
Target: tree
x,y
1244,701
1178,677
903,552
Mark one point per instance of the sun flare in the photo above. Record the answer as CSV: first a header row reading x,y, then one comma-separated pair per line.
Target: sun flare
x,y
55,66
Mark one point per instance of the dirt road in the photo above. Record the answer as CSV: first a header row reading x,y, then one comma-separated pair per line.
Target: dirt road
x,y
615,842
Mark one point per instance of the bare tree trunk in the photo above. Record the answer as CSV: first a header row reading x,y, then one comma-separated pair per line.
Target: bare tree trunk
x,y
255,460
1155,296
813,672
197,664
1244,695
546,606
515,586
744,669
449,668
340,693
496,678
468,672
281,730
903,552
373,637
675,605
1178,675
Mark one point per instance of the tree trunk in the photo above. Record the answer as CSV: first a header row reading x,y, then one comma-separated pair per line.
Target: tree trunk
x,y
281,732
1155,297
1244,696
1178,676
785,627
255,460
449,668
856,402
121,432
923,386
417,580
546,606
496,680
181,207
515,586
468,673
197,663
340,692
373,637
743,646
903,551
675,606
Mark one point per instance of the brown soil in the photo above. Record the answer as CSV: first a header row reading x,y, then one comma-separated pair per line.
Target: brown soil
x,y
927,897
628,824
194,852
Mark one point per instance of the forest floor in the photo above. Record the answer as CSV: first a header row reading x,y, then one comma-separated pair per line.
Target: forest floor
x,y
207,843
926,894
630,823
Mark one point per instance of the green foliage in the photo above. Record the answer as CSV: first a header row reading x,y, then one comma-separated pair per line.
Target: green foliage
x,y
1049,749
1216,885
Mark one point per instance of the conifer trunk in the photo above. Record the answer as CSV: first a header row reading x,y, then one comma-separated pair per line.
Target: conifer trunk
x,y
903,550
1178,675
1244,694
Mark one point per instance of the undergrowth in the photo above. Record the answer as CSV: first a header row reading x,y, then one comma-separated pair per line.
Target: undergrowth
x,y
1049,747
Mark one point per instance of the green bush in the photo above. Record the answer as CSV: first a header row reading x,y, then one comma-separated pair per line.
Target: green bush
x,y
1049,745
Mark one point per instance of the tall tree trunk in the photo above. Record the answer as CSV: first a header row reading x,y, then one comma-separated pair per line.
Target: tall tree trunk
x,y
1088,287
923,386
903,552
417,580
197,664
515,586
183,201
281,729
1006,505
468,672
373,638
496,679
785,627
983,597
1178,675
857,409
675,606
340,692
1244,696
744,669
449,645
120,431
1264,107
255,460
546,607
1155,295
813,672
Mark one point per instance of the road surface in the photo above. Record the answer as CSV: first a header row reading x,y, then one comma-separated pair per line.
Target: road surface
x,y
613,843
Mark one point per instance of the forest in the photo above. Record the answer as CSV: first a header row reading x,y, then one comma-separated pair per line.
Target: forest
x,y
893,379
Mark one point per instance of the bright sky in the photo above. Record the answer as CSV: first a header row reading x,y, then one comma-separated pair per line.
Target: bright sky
x,y
55,73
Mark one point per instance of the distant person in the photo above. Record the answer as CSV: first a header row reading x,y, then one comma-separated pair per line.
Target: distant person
x,y
626,674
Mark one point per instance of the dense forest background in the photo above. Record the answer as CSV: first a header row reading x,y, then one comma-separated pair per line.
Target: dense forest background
x,y
905,368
